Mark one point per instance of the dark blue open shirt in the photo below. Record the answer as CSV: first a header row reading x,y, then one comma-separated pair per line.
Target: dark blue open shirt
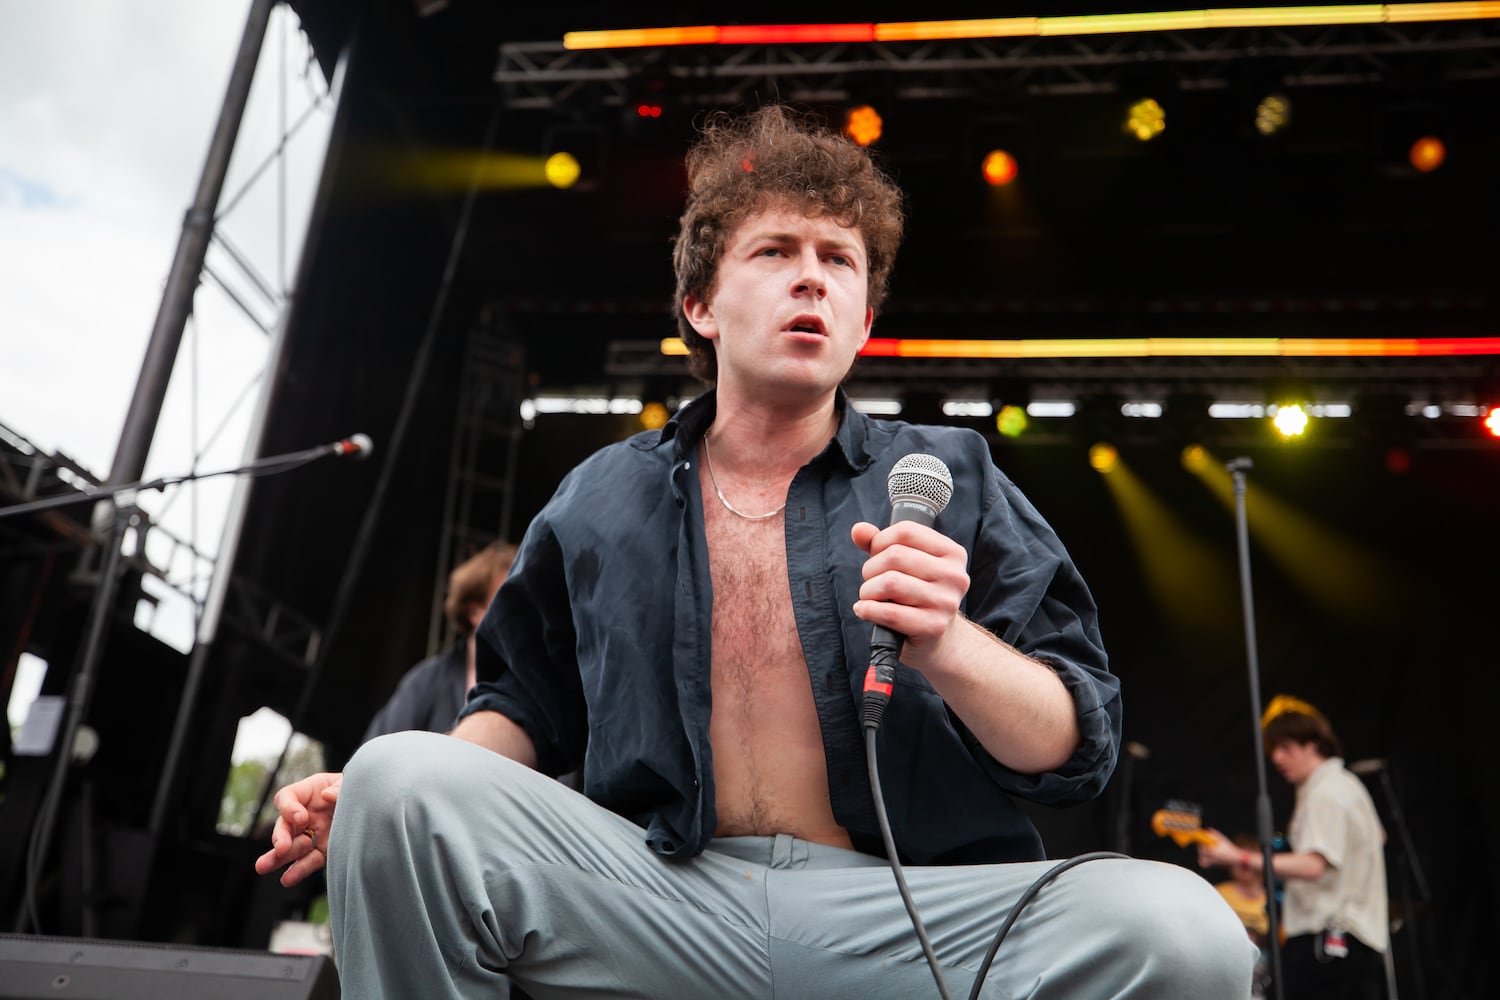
x,y
598,643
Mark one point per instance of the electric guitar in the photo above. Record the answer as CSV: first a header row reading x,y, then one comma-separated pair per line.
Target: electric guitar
x,y
1183,822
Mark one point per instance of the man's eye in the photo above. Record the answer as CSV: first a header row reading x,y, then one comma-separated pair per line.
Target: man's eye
x,y
842,260
772,252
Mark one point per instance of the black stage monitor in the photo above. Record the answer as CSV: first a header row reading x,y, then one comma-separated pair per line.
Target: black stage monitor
x,y
59,968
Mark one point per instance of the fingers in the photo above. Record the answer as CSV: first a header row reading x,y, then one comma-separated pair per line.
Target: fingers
x,y
313,860
291,803
915,579
932,576
299,836
910,548
302,853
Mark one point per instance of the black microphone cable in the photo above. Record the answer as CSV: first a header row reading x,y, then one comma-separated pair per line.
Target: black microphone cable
x,y
878,687
920,487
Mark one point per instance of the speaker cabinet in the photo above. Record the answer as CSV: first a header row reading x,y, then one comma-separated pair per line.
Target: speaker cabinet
x,y
57,968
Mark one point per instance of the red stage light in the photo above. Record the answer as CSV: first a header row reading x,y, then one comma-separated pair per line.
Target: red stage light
x,y
1428,153
999,167
648,110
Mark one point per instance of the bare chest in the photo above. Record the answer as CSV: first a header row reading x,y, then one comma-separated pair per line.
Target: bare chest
x,y
754,629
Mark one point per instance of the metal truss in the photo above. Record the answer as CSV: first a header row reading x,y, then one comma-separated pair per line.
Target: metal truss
x,y
544,75
482,461
29,472
1418,380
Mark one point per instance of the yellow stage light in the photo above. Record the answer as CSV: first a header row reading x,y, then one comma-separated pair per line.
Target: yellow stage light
x,y
1146,119
1273,114
562,170
1195,458
1104,457
998,168
863,124
1011,421
654,416
1290,420
1427,153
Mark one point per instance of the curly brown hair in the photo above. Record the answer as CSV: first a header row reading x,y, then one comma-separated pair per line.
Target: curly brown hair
x,y
743,165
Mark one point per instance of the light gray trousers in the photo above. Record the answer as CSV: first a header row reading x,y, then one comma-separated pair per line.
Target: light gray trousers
x,y
450,866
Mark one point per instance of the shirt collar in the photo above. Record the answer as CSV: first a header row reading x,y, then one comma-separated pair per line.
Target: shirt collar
x,y
850,444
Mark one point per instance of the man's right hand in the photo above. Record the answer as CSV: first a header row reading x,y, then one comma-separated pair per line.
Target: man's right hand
x,y
299,839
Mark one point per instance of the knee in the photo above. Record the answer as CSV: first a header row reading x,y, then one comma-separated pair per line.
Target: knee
x,y
395,765
1200,943
401,777
1189,942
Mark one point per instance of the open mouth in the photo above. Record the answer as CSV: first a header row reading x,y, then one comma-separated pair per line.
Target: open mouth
x,y
808,324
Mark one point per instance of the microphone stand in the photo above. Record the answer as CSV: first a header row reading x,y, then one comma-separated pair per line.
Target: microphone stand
x,y
1237,469
259,467
121,516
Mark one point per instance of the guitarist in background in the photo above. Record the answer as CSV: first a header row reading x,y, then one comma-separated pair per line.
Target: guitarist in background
x,y
1336,912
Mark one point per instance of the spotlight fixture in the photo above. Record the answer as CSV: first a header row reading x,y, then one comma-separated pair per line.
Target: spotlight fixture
x,y
574,155
1141,408
1104,457
590,405
654,416
967,408
1145,119
1427,154
1290,420
998,168
1492,422
863,124
1011,421
1273,113
562,170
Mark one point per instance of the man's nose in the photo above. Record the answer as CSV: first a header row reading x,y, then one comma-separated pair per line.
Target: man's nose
x,y
810,278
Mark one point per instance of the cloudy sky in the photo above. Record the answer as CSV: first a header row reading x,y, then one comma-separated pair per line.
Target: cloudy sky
x,y
106,109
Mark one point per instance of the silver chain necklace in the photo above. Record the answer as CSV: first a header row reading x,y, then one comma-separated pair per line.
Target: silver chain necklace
x,y
709,461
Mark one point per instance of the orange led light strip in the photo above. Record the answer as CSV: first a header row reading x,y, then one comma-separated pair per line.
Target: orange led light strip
x,y
1171,347
1002,27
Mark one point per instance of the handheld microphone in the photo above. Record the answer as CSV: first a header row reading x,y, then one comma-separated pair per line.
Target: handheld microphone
x,y
920,487
358,445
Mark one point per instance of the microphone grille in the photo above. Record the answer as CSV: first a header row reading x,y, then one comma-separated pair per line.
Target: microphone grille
x,y
923,478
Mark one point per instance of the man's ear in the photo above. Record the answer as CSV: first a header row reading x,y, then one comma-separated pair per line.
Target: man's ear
x,y
700,316
869,323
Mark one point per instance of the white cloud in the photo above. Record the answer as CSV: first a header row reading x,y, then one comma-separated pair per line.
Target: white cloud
x,y
104,129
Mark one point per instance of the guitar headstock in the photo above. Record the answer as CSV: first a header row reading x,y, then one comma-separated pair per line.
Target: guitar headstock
x,y
1182,821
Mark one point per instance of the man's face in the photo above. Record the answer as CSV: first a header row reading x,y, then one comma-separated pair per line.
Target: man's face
x,y
789,310
1296,761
